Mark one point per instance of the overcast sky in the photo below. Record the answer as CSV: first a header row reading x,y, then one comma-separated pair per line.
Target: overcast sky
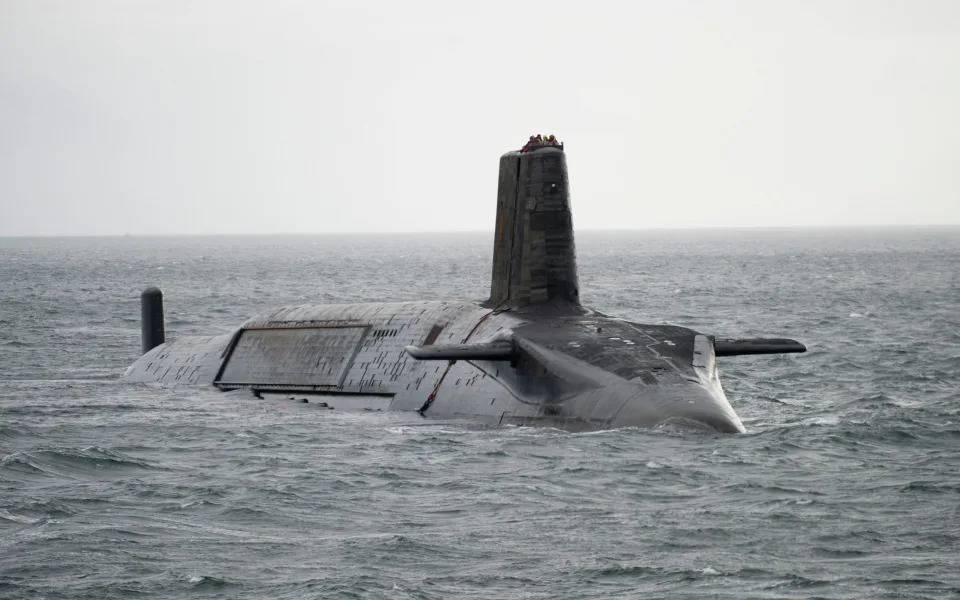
x,y
146,117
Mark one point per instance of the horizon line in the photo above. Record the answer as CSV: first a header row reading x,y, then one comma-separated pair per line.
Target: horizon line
x,y
491,231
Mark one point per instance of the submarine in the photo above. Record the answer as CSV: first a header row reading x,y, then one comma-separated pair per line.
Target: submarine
x,y
530,355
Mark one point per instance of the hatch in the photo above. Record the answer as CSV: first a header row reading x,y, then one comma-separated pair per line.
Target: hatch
x,y
292,357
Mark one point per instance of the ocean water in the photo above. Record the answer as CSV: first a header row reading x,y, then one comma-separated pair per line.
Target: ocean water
x,y
847,484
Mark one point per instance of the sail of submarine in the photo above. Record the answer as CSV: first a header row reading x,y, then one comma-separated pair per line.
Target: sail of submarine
x,y
529,355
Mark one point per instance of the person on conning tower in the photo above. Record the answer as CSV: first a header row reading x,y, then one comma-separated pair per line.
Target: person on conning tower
x,y
529,144
534,142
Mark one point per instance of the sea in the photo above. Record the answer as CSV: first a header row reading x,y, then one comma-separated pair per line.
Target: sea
x,y
845,485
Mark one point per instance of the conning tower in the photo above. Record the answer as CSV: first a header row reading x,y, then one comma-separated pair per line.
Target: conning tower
x,y
534,258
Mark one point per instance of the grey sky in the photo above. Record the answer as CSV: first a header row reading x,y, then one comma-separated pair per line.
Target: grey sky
x,y
242,117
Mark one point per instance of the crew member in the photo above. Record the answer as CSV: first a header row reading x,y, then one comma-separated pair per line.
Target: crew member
x,y
529,145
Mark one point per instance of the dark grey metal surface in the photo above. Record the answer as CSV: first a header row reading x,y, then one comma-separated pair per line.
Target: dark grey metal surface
x,y
152,324
505,227
757,346
530,355
188,360
317,356
534,258
498,350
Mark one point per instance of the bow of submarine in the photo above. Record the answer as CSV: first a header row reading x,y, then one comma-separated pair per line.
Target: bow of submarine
x,y
608,380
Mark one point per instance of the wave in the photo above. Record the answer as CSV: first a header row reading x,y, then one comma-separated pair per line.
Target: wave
x,y
86,463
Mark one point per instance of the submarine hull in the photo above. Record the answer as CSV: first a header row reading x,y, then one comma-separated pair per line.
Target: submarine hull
x,y
577,370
